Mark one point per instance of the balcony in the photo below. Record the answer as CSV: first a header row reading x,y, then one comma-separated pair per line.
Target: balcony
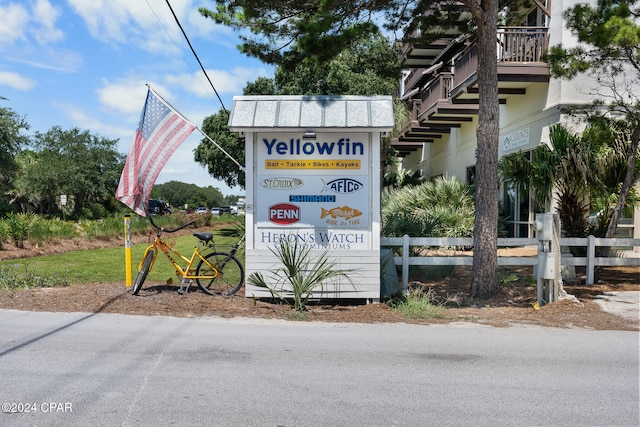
x,y
520,51
450,97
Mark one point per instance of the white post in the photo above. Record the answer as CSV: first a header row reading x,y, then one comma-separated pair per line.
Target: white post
x,y
591,259
546,262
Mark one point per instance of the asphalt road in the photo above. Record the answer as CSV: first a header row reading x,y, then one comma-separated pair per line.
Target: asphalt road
x,y
106,370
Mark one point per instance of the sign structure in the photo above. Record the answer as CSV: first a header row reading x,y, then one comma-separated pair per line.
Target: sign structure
x,y
515,139
325,202
313,180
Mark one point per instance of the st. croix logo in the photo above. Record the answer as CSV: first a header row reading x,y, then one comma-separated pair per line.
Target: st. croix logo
x,y
281,183
343,185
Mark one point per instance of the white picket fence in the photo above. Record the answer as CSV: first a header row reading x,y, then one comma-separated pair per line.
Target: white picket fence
x,y
591,261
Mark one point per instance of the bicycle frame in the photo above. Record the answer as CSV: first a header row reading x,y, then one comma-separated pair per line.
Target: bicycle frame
x,y
213,271
185,273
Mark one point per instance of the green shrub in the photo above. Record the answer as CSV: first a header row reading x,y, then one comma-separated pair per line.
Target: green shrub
x,y
202,220
419,304
18,227
43,230
103,229
17,276
4,234
442,208
297,277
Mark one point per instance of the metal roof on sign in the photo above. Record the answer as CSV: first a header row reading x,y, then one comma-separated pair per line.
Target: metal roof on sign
x,y
311,112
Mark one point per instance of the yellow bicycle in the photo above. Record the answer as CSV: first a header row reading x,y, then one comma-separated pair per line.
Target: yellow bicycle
x,y
215,272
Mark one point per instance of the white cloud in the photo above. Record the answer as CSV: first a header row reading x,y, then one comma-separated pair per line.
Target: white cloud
x,y
16,81
29,33
45,16
60,60
13,24
225,81
127,95
109,20
86,119
20,23
148,25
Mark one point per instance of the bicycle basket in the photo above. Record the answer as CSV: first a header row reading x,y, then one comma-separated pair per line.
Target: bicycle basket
x,y
170,242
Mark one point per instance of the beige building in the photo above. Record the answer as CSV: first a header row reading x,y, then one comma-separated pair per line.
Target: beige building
x,y
440,84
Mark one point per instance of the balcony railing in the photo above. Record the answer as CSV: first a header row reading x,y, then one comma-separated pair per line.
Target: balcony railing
x,y
437,90
516,45
522,44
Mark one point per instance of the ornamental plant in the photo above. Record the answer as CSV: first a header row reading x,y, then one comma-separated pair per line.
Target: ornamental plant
x,y
299,276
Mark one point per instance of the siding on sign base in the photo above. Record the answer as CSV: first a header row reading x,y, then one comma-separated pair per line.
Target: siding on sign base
x,y
365,278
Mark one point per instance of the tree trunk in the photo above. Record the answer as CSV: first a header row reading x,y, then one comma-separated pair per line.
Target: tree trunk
x,y
484,282
627,184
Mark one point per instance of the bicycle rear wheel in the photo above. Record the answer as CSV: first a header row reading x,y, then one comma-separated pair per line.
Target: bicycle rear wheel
x,y
142,274
228,279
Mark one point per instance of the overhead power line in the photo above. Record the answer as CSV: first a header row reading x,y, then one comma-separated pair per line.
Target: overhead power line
x,y
196,55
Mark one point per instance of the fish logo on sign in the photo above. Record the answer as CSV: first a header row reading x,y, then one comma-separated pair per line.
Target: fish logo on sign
x,y
343,212
343,185
284,213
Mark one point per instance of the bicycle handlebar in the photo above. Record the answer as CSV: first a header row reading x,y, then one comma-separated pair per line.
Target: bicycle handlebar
x,y
171,230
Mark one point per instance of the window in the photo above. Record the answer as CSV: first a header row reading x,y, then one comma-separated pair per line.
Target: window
x,y
471,175
520,210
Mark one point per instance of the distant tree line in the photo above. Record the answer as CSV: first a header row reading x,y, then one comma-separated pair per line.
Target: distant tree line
x,y
73,173
179,195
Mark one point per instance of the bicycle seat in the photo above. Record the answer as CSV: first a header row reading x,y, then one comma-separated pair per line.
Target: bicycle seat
x,y
205,237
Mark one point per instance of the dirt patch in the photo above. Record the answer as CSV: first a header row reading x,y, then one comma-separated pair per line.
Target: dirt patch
x,y
512,305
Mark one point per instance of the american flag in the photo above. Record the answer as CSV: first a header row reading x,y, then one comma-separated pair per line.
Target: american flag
x,y
160,131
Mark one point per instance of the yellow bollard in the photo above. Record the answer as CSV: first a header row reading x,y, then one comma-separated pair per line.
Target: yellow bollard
x,y
127,248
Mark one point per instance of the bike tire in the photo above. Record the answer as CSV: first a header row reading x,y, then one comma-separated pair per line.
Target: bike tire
x,y
142,274
230,275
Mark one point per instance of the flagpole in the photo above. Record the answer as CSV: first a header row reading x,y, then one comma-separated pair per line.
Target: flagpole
x,y
221,149
196,127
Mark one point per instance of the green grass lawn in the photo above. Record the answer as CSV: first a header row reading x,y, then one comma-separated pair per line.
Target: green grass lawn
x,y
109,264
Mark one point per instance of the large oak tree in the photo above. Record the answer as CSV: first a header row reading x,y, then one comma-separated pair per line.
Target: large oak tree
x,y
83,166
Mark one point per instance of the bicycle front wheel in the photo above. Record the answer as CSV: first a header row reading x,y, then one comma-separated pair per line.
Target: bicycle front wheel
x,y
142,274
228,278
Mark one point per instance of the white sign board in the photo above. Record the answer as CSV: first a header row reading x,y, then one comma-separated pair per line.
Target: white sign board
x,y
313,179
314,191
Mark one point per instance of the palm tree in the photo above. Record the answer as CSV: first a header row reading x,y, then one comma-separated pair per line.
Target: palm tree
x,y
440,208
564,167
612,142
586,172
297,277
21,195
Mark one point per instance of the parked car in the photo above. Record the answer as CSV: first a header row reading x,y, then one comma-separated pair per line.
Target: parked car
x,y
202,210
215,211
225,209
159,207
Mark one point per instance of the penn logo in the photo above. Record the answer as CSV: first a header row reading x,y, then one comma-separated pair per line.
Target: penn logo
x,y
343,185
284,213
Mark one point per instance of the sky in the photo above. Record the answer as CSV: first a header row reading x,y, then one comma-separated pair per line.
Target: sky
x,y
85,64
